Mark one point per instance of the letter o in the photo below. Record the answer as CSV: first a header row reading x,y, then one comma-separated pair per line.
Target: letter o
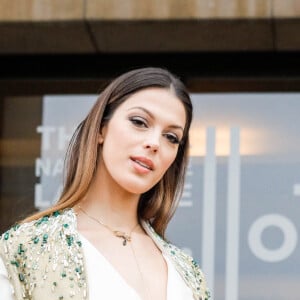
x,y
289,242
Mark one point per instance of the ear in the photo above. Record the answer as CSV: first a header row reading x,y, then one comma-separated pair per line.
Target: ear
x,y
100,138
101,134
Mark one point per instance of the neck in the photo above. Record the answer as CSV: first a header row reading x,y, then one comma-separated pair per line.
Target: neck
x,y
113,206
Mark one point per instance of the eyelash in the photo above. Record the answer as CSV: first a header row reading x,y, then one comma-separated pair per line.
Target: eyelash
x,y
172,138
141,123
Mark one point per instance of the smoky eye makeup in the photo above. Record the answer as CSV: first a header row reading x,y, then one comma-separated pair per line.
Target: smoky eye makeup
x,y
138,121
172,138
142,122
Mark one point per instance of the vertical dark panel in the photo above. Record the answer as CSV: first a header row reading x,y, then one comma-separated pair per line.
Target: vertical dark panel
x,y
20,145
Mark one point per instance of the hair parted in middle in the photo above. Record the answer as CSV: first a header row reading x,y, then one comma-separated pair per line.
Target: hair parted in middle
x,y
159,203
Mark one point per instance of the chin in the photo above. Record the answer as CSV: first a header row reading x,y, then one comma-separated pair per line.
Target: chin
x,y
138,189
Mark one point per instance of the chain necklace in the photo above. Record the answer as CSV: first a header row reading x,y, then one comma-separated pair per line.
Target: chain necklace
x,y
147,291
126,238
120,234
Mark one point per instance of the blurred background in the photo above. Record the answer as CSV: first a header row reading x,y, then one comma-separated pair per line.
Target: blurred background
x,y
240,59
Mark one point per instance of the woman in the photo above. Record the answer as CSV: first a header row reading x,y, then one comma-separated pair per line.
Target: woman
x,y
124,173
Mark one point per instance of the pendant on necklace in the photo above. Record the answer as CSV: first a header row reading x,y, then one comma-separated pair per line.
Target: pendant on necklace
x,y
126,238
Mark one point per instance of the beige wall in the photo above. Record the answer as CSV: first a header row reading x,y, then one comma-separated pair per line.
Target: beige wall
x,y
64,10
87,26
177,9
41,10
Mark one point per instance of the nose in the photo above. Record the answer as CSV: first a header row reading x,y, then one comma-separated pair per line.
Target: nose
x,y
151,146
152,140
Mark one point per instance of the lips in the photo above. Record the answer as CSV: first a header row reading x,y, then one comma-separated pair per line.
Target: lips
x,y
143,161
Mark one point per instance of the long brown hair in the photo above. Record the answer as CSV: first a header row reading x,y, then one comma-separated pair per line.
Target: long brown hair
x,y
159,203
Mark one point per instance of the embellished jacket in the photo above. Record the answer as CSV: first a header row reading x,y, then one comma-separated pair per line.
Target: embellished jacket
x,y
45,260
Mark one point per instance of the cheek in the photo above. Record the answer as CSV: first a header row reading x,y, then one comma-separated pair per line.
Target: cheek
x,y
116,137
168,160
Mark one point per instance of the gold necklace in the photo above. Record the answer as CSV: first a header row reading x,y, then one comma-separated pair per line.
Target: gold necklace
x,y
126,238
120,234
147,291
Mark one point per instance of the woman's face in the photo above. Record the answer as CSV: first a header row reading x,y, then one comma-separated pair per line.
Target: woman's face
x,y
140,141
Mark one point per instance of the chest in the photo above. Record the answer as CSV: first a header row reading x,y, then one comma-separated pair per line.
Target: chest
x,y
139,266
106,282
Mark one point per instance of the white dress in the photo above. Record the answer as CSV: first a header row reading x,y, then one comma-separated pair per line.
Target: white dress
x,y
113,285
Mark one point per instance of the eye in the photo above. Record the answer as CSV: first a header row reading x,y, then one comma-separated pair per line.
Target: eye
x,y
138,122
172,138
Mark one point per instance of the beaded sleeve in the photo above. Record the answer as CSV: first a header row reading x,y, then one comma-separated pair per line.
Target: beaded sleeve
x,y
185,265
44,259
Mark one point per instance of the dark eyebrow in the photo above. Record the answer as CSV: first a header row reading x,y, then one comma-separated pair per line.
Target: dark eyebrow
x,y
152,116
143,109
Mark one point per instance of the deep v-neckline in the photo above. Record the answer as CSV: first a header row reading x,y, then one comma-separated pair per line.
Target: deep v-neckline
x,y
115,271
108,263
